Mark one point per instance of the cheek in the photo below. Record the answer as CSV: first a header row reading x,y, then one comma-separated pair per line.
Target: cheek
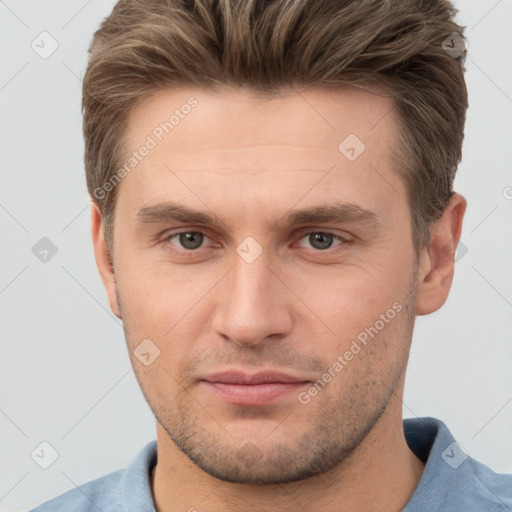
x,y
354,293
359,304
165,303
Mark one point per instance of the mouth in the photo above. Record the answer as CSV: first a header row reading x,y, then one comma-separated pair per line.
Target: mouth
x,y
262,388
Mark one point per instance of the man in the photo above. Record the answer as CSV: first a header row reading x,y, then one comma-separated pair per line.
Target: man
x,y
272,206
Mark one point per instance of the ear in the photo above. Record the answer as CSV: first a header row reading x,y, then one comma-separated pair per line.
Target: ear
x,y
438,258
102,256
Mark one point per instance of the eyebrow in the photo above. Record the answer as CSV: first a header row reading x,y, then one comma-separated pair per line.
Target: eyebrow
x,y
334,213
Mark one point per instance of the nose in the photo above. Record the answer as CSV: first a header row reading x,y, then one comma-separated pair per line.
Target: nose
x,y
252,304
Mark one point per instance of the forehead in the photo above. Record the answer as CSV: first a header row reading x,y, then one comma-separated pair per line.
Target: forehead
x,y
323,143
231,118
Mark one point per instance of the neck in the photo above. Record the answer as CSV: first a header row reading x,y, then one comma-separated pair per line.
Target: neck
x,y
380,474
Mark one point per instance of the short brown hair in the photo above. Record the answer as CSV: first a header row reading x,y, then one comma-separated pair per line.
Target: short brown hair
x,y
145,46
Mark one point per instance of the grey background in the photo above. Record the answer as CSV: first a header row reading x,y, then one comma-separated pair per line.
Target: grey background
x,y
65,374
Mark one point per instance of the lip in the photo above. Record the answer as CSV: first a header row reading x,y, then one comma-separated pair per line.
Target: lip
x,y
238,377
261,388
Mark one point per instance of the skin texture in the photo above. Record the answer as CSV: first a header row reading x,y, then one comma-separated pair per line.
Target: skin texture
x,y
295,308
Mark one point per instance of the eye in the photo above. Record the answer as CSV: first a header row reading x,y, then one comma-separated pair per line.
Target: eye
x,y
321,241
189,240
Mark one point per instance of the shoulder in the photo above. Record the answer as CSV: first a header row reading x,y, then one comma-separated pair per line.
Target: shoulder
x,y
110,493
103,493
488,487
452,480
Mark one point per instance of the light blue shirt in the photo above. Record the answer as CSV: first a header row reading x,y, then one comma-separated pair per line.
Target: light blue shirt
x,y
451,482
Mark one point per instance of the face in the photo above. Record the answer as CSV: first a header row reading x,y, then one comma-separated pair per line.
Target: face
x,y
255,237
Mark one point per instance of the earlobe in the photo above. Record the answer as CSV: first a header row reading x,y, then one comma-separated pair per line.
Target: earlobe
x,y
438,257
103,261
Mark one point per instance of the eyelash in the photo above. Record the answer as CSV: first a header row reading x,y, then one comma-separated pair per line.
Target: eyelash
x,y
343,241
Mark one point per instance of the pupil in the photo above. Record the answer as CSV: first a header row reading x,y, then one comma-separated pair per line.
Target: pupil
x,y
320,240
191,240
